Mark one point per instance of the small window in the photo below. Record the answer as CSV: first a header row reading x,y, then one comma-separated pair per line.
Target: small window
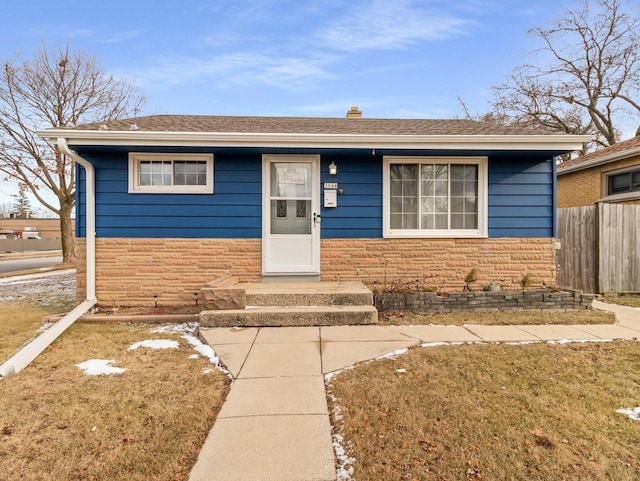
x,y
623,182
435,197
171,173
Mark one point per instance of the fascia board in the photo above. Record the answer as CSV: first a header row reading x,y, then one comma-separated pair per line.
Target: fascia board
x,y
237,139
600,161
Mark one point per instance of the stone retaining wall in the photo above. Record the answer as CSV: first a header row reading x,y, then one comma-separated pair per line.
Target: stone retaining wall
x,y
483,301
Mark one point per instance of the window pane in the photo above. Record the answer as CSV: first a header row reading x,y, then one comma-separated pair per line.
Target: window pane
x,y
442,187
471,221
457,172
427,221
441,171
409,187
396,187
409,221
396,205
635,181
457,204
428,205
441,221
427,187
620,183
396,221
290,179
457,221
442,205
457,187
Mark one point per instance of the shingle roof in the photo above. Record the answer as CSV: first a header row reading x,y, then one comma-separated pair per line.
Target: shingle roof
x,y
309,125
600,156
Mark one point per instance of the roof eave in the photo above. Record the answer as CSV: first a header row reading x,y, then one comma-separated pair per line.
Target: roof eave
x,y
310,140
600,161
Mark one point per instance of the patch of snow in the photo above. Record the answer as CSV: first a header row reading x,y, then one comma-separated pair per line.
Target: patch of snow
x,y
155,344
344,462
100,367
189,331
632,413
182,328
578,341
434,344
401,371
194,356
393,355
206,370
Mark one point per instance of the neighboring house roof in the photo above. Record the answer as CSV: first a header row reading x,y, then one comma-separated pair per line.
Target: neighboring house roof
x,y
201,130
619,151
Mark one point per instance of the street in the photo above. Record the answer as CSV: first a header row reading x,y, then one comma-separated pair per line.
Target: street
x,y
22,264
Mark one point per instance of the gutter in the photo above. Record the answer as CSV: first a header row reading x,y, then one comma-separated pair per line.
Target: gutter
x,y
606,159
28,353
311,140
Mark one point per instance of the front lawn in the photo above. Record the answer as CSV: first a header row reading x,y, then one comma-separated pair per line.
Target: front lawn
x,y
148,422
629,300
493,412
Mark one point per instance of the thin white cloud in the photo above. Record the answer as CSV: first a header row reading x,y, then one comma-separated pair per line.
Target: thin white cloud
x,y
382,24
119,37
287,72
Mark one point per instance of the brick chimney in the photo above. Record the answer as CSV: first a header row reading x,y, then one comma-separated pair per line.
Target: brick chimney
x,y
354,113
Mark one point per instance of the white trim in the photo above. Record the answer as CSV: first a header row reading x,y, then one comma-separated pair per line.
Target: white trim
x,y
378,141
483,199
134,174
267,159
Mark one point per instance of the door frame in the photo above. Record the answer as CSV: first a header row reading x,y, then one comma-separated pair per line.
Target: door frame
x,y
267,160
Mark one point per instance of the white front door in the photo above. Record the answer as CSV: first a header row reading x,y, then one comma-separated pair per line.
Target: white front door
x,y
290,214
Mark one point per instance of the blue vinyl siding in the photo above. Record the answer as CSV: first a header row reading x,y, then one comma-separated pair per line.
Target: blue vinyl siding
x,y
521,197
234,209
359,211
520,192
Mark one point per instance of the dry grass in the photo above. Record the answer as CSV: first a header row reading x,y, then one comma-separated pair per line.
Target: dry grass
x,y
145,424
19,323
495,412
500,318
630,300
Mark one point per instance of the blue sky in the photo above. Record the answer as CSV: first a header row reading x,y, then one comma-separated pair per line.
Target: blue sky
x,y
392,58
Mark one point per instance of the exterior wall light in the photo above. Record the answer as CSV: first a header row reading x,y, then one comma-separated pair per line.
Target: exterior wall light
x,y
333,168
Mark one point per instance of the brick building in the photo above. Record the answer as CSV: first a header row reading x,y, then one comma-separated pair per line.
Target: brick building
x,y
608,175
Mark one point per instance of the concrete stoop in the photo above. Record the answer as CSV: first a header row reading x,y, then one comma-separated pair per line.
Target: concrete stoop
x,y
298,304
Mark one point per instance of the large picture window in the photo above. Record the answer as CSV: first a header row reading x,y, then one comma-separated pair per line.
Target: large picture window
x,y
174,173
435,197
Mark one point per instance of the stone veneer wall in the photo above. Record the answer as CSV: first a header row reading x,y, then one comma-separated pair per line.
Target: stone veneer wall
x,y
131,271
483,301
441,264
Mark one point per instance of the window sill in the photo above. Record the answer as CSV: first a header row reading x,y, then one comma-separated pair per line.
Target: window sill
x,y
451,234
620,197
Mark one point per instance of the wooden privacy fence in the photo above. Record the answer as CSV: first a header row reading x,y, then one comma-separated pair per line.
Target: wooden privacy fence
x,y
599,248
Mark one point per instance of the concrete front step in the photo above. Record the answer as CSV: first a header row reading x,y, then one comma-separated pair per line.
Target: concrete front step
x,y
307,294
291,316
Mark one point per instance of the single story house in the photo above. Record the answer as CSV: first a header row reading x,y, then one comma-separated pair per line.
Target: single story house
x,y
609,175
168,202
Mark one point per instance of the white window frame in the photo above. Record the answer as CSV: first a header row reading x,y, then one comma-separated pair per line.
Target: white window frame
x,y
483,198
134,174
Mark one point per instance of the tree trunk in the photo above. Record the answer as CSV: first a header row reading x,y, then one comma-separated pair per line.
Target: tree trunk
x,y
66,231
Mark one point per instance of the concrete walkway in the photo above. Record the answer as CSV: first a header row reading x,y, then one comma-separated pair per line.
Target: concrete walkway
x,y
275,424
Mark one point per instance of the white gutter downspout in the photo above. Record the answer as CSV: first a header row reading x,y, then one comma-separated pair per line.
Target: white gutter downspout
x,y
32,350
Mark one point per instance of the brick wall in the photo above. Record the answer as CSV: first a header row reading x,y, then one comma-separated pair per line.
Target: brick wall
x,y
439,263
132,271
584,187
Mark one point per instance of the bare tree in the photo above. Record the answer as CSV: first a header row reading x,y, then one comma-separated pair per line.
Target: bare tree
x,y
55,89
587,78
